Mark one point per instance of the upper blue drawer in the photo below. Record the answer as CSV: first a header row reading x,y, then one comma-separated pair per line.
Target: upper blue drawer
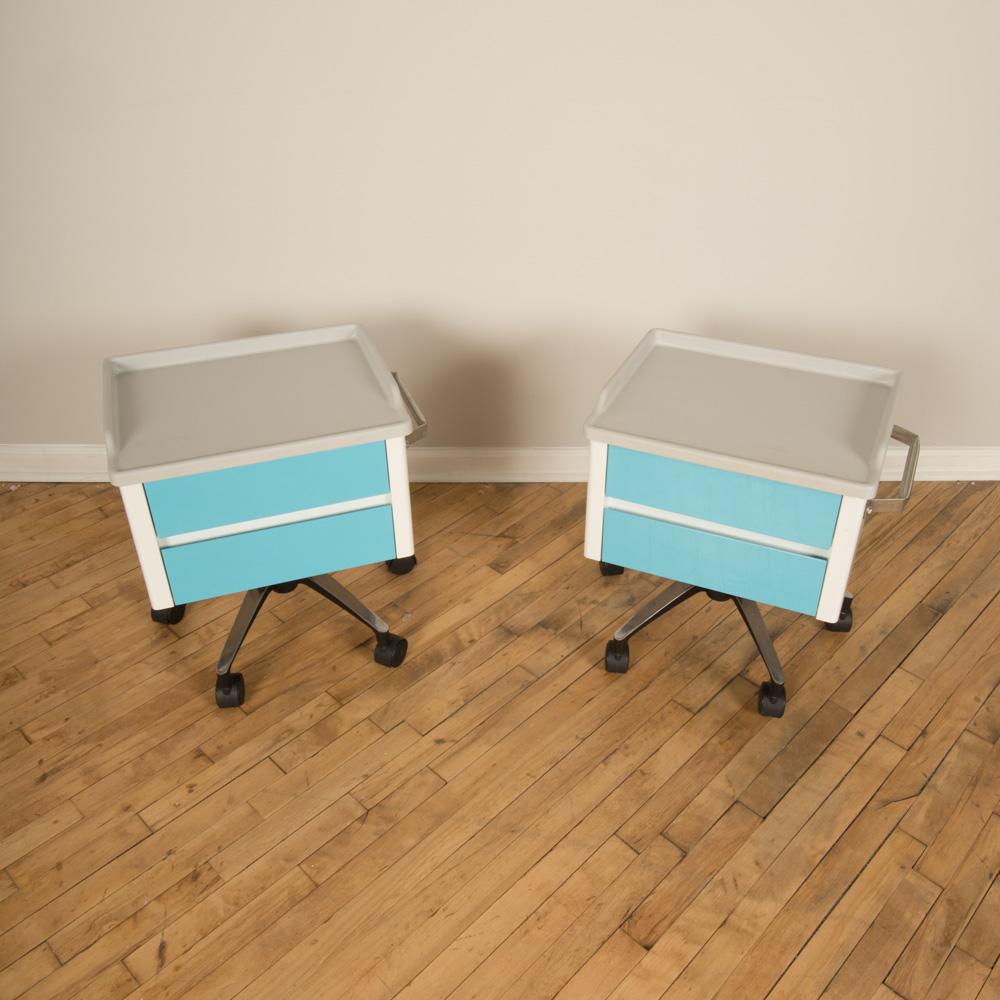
x,y
794,513
246,492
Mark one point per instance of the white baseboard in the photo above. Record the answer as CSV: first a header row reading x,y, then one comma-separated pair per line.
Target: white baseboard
x,y
86,463
53,463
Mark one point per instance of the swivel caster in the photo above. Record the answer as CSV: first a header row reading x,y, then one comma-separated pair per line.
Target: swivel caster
x,y
230,690
168,616
771,700
616,656
401,566
390,650
846,619
284,588
610,569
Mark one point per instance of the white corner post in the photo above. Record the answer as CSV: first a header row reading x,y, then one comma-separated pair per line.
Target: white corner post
x,y
140,522
594,530
838,567
399,494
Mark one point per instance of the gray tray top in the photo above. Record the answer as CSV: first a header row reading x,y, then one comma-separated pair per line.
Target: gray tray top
x,y
791,417
193,409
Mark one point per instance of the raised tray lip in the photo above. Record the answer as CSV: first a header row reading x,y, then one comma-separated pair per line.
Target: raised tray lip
x,y
120,475
862,488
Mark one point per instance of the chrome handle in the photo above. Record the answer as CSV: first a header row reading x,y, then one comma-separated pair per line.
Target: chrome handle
x,y
886,505
419,420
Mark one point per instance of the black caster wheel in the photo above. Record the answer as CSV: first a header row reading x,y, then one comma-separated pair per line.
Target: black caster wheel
x,y
390,650
771,700
284,588
230,691
401,566
846,619
610,569
168,616
616,656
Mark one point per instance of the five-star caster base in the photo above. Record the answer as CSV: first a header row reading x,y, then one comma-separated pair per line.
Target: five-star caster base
x,y
230,689
770,699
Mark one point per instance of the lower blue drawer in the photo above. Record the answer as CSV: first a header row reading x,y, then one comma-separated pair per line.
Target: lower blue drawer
x,y
729,565
274,555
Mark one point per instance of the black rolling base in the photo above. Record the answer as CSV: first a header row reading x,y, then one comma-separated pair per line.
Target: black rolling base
x,y
168,616
846,620
230,689
771,698
401,566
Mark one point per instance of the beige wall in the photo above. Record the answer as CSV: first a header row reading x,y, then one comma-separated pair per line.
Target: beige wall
x,y
506,194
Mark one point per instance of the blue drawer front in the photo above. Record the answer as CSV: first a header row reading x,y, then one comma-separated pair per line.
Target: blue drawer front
x,y
274,555
246,492
730,565
731,498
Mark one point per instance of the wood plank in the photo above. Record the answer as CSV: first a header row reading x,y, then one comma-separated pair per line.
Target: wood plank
x,y
602,973
21,975
880,945
798,811
918,966
498,817
961,978
848,921
596,925
981,937
980,797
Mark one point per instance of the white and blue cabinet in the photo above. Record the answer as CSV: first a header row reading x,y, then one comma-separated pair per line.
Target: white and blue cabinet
x,y
259,464
235,529
783,545
742,472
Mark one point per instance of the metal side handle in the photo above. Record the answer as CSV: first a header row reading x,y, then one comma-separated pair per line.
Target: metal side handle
x,y
419,420
885,505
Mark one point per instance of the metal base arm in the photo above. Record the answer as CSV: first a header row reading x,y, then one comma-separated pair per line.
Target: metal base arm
x,y
254,601
677,593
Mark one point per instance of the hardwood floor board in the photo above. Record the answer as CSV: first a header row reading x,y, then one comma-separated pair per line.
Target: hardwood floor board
x,y
190,974
892,652
108,894
84,970
766,790
961,978
446,858
374,822
980,798
847,922
986,722
940,796
652,818
744,931
805,807
26,839
527,919
918,966
656,914
869,962
596,924
991,988
12,744
501,856
981,937
602,973
21,975
952,670
498,817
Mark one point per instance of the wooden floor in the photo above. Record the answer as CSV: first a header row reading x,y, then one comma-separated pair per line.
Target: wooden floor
x,y
498,817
